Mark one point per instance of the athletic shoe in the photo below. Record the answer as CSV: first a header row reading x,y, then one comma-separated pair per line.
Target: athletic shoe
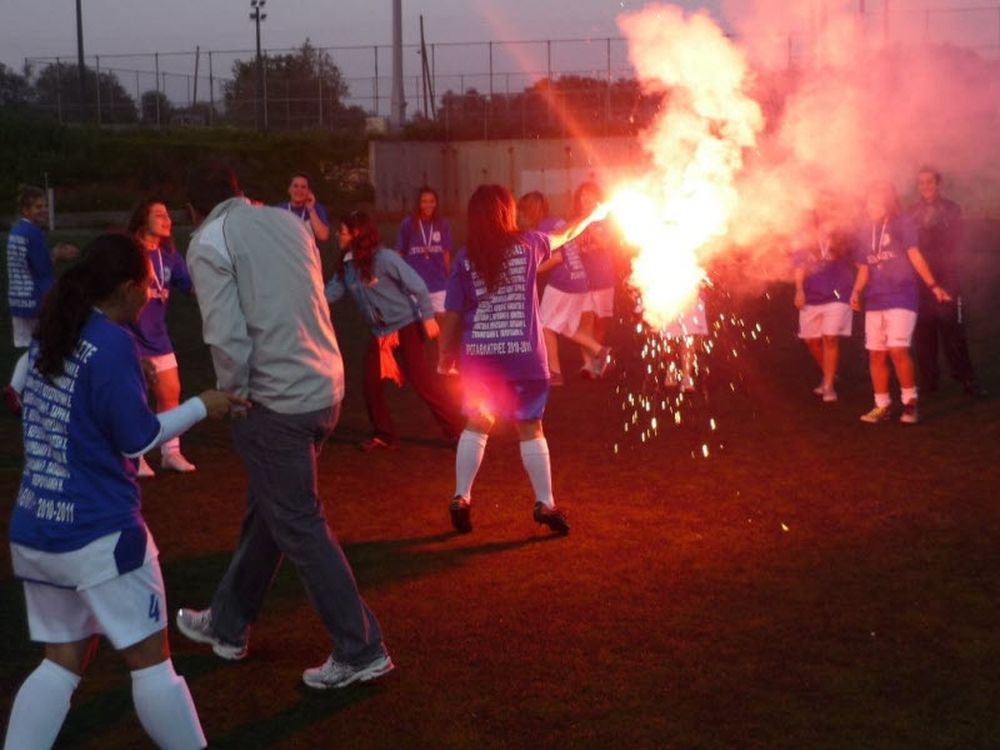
x,y
819,390
556,379
197,625
13,400
601,362
175,461
878,414
909,415
144,470
829,395
335,674
375,444
551,517
587,372
461,514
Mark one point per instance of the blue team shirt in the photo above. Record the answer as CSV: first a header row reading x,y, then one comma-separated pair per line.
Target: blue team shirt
x,y
892,281
595,245
303,213
150,330
425,245
570,276
29,269
78,485
501,335
829,272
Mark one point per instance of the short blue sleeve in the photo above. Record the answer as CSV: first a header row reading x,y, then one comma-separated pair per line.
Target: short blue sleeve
x,y
118,396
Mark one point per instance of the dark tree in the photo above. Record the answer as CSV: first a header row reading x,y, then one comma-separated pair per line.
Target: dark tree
x,y
303,89
57,90
156,108
14,88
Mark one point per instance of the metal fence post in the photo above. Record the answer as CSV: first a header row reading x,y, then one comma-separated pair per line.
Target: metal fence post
x,y
97,69
59,112
376,107
211,91
156,66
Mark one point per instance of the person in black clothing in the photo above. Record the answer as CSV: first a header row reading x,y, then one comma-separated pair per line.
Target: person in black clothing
x,y
939,222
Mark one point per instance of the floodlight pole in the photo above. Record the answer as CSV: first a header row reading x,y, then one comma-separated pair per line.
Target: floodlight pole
x,y
258,17
79,61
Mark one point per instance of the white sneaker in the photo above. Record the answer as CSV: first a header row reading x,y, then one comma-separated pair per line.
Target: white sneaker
x,y
144,470
197,625
819,390
175,461
829,395
334,674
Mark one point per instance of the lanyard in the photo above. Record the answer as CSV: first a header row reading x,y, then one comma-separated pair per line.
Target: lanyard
x,y
158,277
881,236
426,236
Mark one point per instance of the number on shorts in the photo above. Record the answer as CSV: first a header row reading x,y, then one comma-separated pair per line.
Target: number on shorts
x,y
154,608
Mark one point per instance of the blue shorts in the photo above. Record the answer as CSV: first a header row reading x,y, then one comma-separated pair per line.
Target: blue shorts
x,y
518,400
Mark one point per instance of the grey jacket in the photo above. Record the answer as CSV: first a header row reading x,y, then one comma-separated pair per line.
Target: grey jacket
x,y
259,282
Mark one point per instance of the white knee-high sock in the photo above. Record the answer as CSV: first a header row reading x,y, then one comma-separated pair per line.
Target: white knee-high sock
x,y
19,378
468,458
535,457
165,709
40,707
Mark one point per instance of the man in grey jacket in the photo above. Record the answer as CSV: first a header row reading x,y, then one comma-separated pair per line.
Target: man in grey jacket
x,y
260,289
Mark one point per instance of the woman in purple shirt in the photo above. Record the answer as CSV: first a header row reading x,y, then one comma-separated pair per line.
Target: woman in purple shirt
x,y
151,225
889,264
491,319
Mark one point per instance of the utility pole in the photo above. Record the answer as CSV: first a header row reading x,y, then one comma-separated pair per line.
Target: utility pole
x,y
257,16
79,62
397,104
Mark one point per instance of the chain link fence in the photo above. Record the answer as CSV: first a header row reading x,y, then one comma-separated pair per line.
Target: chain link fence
x,y
495,79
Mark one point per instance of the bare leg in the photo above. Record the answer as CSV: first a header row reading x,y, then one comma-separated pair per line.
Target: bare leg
x,y
831,357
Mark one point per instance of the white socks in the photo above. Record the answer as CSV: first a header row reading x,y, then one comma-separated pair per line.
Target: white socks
x,y
165,709
173,445
19,378
535,457
908,394
882,400
468,457
40,707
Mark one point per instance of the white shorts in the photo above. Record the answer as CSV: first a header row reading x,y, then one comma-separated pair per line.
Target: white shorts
x,y
601,302
164,362
828,319
889,329
437,301
24,329
127,609
560,311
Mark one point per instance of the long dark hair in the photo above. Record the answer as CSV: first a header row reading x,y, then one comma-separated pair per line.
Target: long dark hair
x,y
365,242
492,232
421,192
105,264
585,187
138,222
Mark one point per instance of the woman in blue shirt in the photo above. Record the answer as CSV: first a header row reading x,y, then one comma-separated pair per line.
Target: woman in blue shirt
x,y
151,226
78,540
424,241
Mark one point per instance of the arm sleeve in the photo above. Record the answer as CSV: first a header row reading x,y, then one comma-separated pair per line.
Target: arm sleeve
x,y
410,282
175,422
224,326
334,289
180,277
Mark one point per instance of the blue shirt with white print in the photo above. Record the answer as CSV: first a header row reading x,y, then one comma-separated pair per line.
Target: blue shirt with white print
x,y
78,484
892,281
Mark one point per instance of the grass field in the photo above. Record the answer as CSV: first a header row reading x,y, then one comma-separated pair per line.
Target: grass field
x,y
814,583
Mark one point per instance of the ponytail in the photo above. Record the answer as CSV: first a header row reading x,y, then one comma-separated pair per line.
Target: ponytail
x,y
105,264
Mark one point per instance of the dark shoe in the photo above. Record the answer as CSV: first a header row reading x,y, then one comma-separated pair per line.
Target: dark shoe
x,y
551,517
910,414
461,514
13,400
374,444
587,373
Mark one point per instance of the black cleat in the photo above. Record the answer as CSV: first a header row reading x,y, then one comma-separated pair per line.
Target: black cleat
x,y
551,517
461,511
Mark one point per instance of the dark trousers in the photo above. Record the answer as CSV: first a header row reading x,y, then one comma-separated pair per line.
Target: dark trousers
x,y
418,372
939,326
284,518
